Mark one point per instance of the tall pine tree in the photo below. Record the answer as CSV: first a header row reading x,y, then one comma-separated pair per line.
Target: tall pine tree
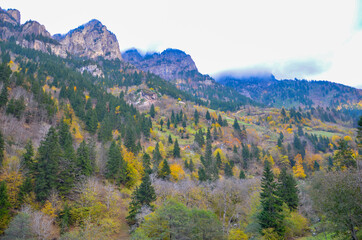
x,y
116,166
67,162
84,165
4,207
271,205
152,111
287,189
47,167
176,150
143,195
165,170
28,161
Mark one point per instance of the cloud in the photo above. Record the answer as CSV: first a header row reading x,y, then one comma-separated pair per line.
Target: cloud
x,y
253,71
306,68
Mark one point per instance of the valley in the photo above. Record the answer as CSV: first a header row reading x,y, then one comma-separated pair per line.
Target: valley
x,y
99,144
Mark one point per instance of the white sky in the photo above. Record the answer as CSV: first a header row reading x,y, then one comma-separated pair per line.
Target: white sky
x,y
311,39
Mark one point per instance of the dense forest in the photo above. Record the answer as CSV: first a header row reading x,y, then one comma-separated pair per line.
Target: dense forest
x,y
128,155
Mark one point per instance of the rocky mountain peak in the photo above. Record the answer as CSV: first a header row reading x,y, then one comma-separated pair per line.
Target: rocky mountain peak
x,y
171,64
11,16
15,14
34,28
91,40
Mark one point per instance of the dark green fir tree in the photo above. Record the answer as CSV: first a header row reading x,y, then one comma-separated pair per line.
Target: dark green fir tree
x,y
143,195
84,164
165,171
287,189
152,111
271,205
47,166
4,207
176,150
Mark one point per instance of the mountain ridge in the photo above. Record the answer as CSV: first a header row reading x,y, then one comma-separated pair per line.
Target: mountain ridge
x,y
91,39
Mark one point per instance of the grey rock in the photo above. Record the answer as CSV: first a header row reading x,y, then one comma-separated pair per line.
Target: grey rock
x,y
171,64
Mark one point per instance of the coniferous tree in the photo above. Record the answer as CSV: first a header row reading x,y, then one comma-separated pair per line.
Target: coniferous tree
x,y
186,163
236,125
25,188
170,139
28,161
242,174
84,164
283,112
235,149
202,175
91,121
344,155
220,121
4,207
228,170
176,150
271,205
2,148
246,155
199,138
157,157
47,167
218,160
207,116
161,123
191,166
130,140
287,189
244,134
3,96
196,117
359,136
67,163
146,161
168,123
105,131
116,166
165,171
143,195
316,166
152,111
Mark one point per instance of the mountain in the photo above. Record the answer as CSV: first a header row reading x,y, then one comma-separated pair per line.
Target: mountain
x,y
178,67
91,40
289,93
171,64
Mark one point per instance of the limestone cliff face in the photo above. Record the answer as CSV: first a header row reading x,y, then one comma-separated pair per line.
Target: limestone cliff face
x,y
10,16
91,40
34,28
171,64
15,14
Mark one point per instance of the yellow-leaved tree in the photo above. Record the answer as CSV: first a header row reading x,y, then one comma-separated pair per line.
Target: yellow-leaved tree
x,y
48,209
177,173
298,169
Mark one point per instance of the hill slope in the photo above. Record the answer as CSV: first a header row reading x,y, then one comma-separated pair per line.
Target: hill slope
x,y
289,93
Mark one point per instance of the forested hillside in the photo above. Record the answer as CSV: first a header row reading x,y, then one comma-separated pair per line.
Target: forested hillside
x,y
99,149
294,93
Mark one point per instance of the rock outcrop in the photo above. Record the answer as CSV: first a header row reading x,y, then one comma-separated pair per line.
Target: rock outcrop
x,y
10,16
171,64
15,14
34,28
91,40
